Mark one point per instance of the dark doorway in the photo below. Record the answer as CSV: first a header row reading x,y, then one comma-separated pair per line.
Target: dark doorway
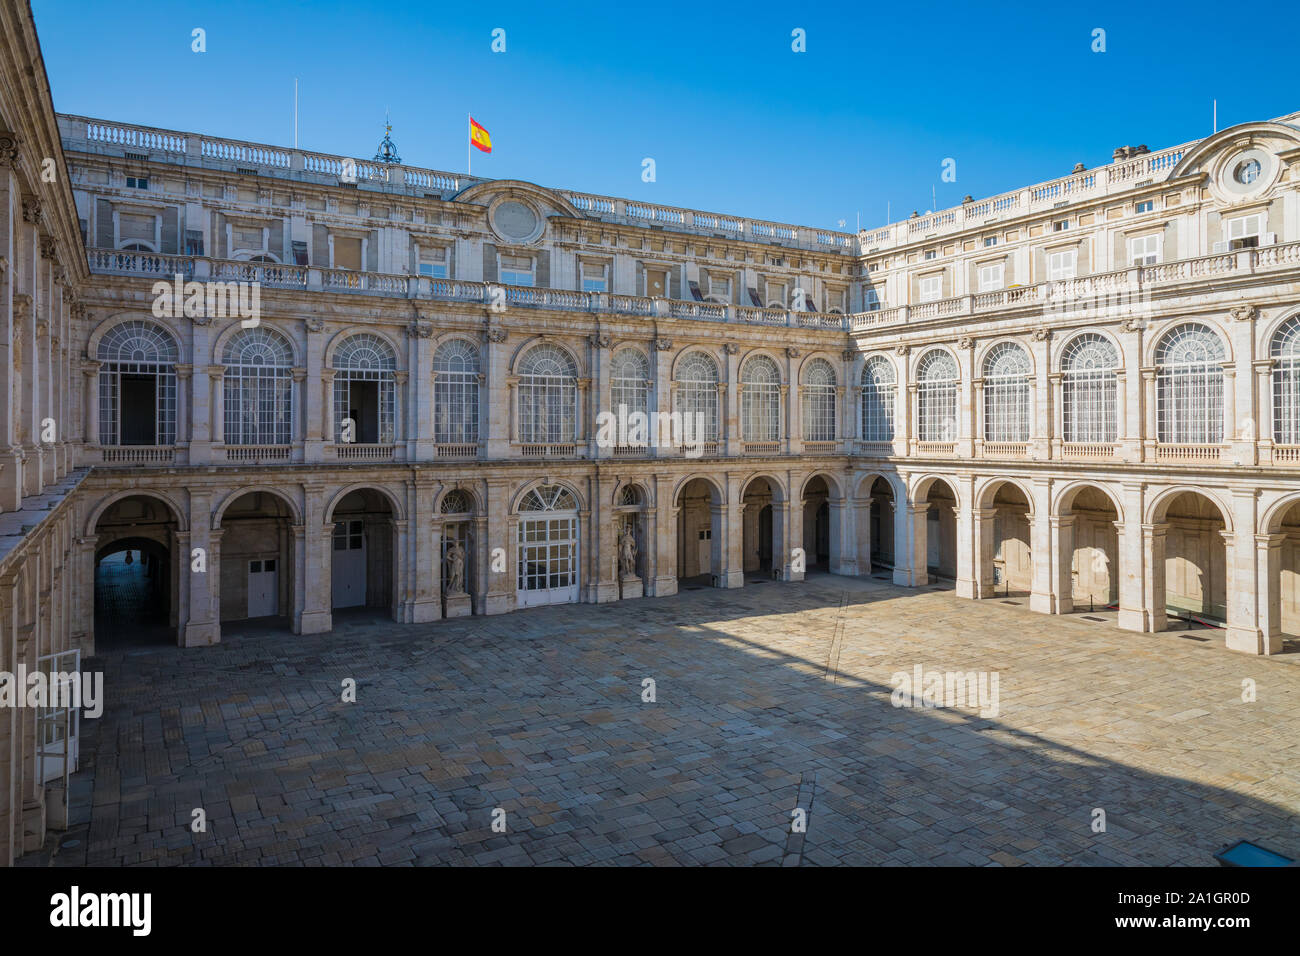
x,y
139,410
363,409
765,538
132,595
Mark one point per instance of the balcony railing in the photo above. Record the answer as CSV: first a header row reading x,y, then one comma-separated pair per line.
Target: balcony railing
x,y
257,454
138,454
1005,449
820,447
1199,454
761,447
1088,451
348,451
1286,454
549,451
469,450
936,449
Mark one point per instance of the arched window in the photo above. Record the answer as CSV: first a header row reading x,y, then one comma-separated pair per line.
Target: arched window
x,y
1189,386
455,393
1006,393
548,396
818,401
936,397
549,498
1286,383
879,383
760,406
258,388
365,390
1089,390
697,397
629,382
457,501
137,385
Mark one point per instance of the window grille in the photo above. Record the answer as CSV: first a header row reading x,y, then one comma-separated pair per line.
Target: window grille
x,y
879,384
456,393
1189,386
1089,391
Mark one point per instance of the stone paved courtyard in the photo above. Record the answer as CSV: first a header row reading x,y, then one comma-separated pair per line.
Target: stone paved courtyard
x,y
769,698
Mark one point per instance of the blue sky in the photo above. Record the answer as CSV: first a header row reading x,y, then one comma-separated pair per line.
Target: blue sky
x,y
735,120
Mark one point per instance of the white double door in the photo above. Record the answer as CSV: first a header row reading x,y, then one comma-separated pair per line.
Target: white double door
x,y
548,560
263,588
348,570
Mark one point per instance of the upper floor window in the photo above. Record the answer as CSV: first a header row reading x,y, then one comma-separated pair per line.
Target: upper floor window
x,y
594,276
137,385
1145,205
258,388
1145,250
719,287
990,277
1285,353
818,398
870,300
456,371
1062,265
776,295
760,406
936,396
1060,225
516,270
931,288
434,263
629,382
1006,394
697,397
990,241
1247,172
365,390
137,182
1189,386
879,384
1089,389
1244,231
930,254
548,396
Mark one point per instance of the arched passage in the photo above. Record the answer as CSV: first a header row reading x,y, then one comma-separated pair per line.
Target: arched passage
x,y
762,537
699,534
876,546
136,584
1007,559
364,559
257,559
1188,561
934,529
818,538
1090,547
1283,581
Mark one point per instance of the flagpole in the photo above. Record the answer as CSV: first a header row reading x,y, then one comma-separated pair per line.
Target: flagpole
x,y
469,157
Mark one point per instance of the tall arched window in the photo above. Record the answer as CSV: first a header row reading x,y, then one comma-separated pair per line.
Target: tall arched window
x,y
818,401
365,390
629,382
936,397
1189,386
697,397
137,385
258,388
1285,352
1089,390
879,382
760,406
455,393
1006,393
548,396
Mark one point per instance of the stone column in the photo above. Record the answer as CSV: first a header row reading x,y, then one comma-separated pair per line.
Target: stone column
x,y
312,575
983,527
203,407
200,621
1040,547
844,535
401,595
601,397
910,545
425,556
1246,583
500,396
904,400
1131,545
663,400
1230,408
1264,404
1041,395
729,552
1057,436
502,533
1268,561
967,560
730,409
787,534
1149,430
965,447
913,405
90,373
184,425
1153,559
315,396
217,409
1063,562
329,431
665,538
1244,431
862,529
981,423
419,418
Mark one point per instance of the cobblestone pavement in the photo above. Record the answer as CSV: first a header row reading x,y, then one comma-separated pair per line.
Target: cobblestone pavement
x,y
768,698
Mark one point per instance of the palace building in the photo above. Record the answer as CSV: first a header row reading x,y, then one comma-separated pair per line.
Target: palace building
x,y
379,386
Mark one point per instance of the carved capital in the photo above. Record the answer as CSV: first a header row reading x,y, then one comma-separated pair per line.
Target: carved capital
x,y
314,324
730,348
792,352
201,318
494,334
1042,333
848,355
901,349
663,345
8,150
42,328
600,340
420,330
965,342
1133,325
22,306
31,210
1244,312
49,249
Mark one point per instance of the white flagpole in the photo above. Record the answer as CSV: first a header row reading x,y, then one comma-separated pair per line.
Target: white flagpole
x,y
469,156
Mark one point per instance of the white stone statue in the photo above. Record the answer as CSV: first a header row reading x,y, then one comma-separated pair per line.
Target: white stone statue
x,y
627,553
455,569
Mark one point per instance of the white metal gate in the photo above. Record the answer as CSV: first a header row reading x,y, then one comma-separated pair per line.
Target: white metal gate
x,y
548,560
348,572
263,588
58,725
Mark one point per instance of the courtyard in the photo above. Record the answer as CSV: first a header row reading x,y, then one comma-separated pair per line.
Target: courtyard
x,y
767,699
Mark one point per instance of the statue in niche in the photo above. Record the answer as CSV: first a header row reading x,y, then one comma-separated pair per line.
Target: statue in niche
x,y
455,569
627,552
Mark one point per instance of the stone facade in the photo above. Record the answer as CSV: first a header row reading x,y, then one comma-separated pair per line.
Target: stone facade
x,y
1086,391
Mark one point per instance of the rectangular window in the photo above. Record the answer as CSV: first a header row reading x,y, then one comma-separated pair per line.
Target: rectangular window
x,y
433,262
1060,225
516,270
1243,232
193,242
1144,250
594,277
931,288
990,241
137,182
720,287
247,238
930,254
776,295
991,277
871,300
1145,205
1062,265
300,252
347,253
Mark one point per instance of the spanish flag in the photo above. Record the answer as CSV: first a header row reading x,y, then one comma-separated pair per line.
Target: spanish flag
x,y
479,137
